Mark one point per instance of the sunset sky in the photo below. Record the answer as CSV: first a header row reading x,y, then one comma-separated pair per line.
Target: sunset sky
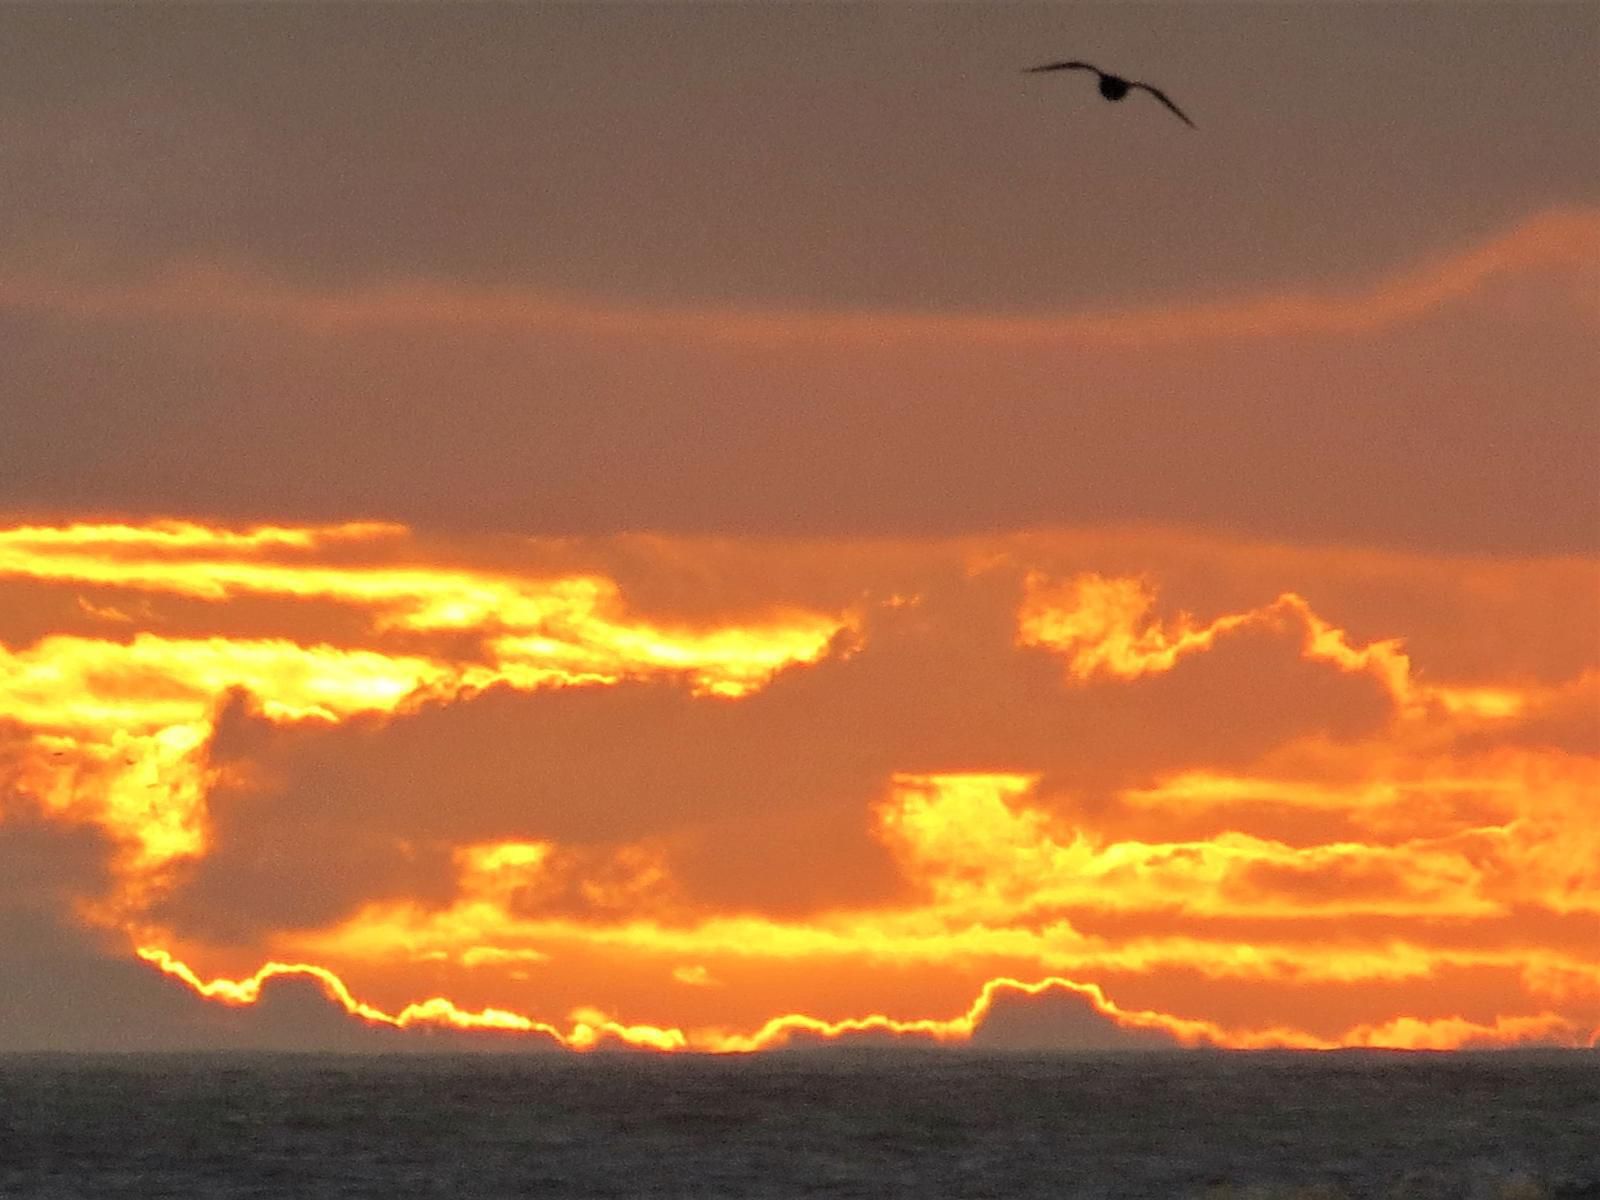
x,y
725,527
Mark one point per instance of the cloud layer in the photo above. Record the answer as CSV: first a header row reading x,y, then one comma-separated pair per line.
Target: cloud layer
x,y
731,527
1066,788
1437,404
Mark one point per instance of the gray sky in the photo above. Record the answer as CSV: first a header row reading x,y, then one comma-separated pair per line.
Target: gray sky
x,y
822,158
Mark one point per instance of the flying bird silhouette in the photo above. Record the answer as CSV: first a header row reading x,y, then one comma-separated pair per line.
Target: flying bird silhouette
x,y
1114,87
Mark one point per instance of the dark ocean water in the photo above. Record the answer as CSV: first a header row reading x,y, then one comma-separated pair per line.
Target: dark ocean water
x,y
840,1123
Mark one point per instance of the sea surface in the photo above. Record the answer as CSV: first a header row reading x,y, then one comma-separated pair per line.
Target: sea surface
x,y
842,1123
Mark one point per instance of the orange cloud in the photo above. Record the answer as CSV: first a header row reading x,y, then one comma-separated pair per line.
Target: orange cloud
x,y
1058,785
135,712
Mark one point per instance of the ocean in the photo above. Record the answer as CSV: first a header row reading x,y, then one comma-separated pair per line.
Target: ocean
x,y
834,1122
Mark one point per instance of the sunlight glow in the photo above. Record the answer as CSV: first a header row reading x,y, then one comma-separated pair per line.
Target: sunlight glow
x,y
1416,844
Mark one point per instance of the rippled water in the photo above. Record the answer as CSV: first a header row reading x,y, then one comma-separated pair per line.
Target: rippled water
x,y
843,1123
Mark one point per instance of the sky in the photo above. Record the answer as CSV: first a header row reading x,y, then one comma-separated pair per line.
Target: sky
x,y
732,527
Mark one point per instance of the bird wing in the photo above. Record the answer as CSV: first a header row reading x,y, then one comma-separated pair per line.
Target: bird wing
x,y
1162,96
1063,66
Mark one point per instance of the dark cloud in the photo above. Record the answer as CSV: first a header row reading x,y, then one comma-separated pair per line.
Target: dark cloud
x,y
44,863
62,989
296,1013
1058,1019
65,985
1478,993
60,985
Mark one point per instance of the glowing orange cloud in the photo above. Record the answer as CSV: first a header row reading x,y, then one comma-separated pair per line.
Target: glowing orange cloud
x,y
133,713
590,1028
1106,626
997,881
1426,876
545,630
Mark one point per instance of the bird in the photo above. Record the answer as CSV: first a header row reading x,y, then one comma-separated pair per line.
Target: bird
x,y
1114,87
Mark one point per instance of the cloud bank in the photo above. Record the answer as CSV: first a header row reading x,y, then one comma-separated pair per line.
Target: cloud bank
x,y
1441,404
359,786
